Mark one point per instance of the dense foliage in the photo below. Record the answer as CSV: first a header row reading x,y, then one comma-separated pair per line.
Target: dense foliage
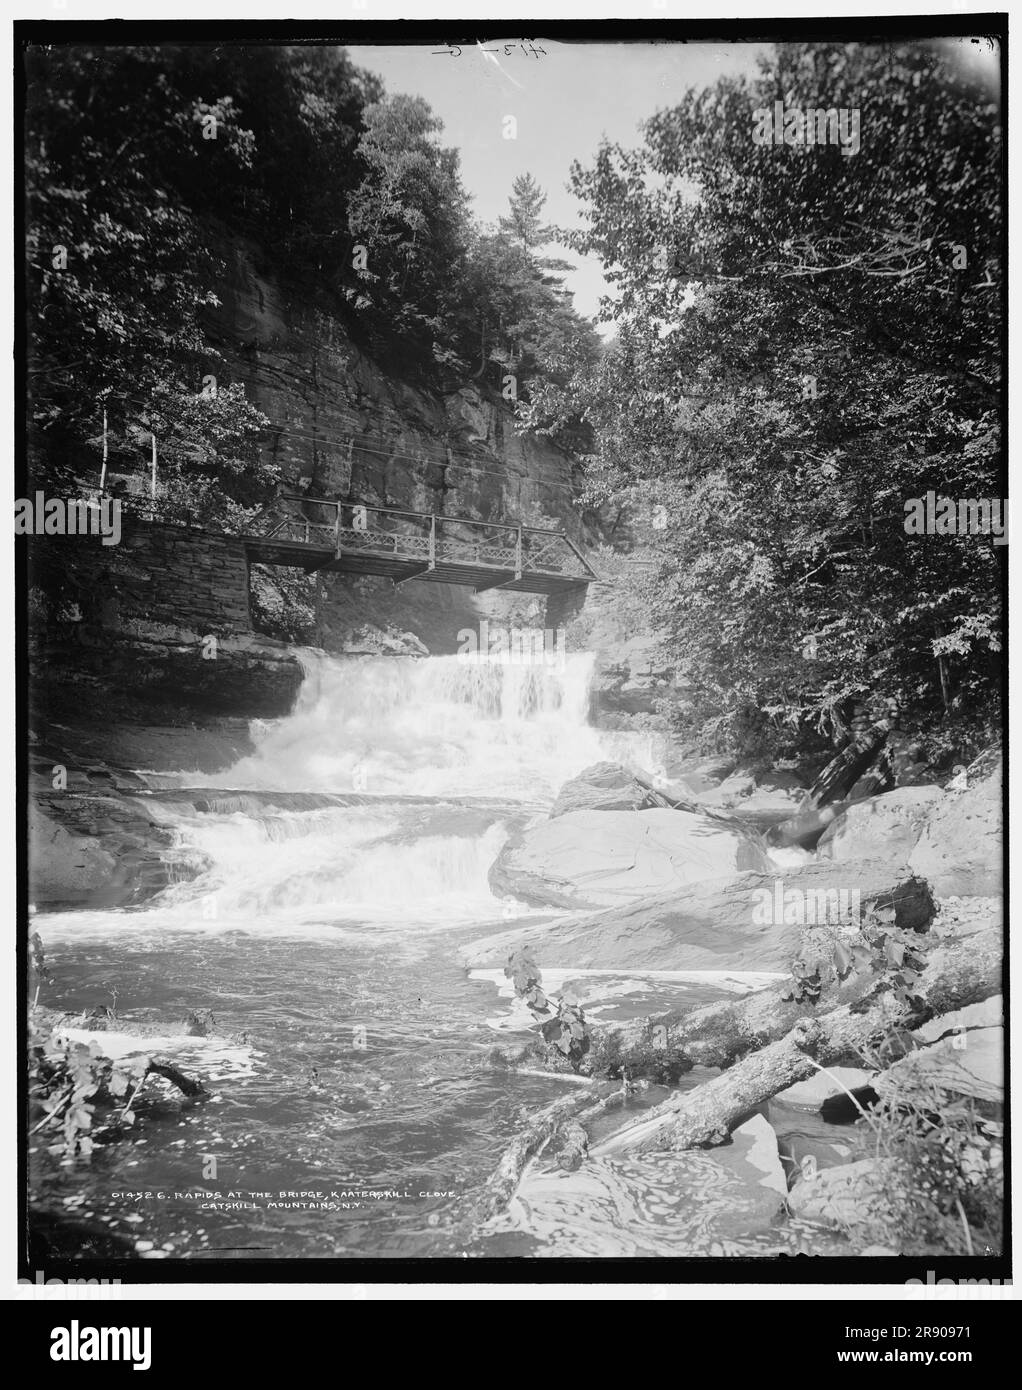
x,y
141,162
805,339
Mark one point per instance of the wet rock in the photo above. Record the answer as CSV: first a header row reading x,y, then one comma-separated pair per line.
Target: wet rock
x,y
600,858
708,773
882,827
835,1081
712,925
374,641
988,1014
851,1195
966,1064
960,851
626,680
743,793
98,851
753,1149
66,868
602,787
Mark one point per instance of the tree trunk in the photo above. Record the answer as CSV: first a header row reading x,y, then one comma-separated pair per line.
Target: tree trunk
x,y
960,972
833,784
842,772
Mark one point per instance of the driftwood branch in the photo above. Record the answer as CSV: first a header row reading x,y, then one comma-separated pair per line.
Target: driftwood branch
x,y
184,1084
500,1186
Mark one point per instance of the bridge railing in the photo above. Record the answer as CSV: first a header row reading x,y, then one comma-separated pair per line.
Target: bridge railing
x,y
423,536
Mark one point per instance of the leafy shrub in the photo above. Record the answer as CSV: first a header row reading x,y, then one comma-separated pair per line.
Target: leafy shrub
x,y
563,1028
943,1155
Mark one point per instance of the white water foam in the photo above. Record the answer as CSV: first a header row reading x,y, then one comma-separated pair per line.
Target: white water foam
x,y
438,726
452,728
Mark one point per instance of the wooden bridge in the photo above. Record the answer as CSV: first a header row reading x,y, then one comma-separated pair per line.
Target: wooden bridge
x,y
356,538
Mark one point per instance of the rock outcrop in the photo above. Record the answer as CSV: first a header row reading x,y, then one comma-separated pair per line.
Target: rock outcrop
x,y
707,926
96,851
850,1196
967,1064
599,858
961,849
883,827
602,787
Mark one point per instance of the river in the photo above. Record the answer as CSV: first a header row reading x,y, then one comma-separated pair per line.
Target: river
x,y
340,866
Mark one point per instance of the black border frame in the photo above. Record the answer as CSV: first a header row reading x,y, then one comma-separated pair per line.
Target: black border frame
x,y
801,1270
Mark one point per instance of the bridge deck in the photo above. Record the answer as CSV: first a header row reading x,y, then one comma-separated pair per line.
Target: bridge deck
x,y
352,538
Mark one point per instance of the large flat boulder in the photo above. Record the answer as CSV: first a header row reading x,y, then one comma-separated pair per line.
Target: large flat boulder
x,y
731,925
602,858
961,850
882,827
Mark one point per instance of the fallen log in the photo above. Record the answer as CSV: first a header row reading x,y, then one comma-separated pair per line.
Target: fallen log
x,y
502,1182
714,1035
959,972
561,1122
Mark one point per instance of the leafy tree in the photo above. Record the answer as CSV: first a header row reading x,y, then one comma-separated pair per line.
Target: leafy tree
x,y
409,214
119,273
143,162
800,348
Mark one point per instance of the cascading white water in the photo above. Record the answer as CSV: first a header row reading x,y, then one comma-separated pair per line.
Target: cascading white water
x,y
438,757
440,726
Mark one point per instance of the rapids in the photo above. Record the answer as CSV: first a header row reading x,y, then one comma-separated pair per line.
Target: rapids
x,y
338,867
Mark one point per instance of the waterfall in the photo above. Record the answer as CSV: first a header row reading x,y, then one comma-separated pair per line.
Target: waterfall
x,y
394,783
437,726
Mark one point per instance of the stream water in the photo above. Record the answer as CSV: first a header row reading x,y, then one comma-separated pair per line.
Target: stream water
x,y
341,865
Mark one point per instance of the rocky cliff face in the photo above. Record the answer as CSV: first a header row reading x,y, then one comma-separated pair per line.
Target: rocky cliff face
x,y
348,428
345,426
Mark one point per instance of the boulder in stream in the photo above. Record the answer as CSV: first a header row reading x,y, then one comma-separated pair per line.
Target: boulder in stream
x,y
728,925
602,787
602,858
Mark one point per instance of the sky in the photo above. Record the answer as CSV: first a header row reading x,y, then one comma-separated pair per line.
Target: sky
x,y
564,100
